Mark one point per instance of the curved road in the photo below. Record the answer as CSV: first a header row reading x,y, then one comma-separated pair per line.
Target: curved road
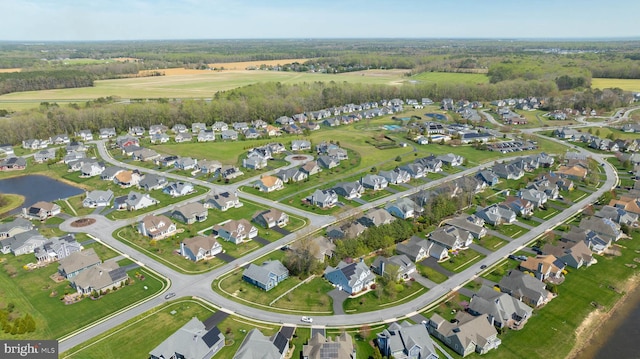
x,y
200,285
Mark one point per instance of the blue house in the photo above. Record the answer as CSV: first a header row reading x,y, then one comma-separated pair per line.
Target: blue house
x,y
488,177
266,276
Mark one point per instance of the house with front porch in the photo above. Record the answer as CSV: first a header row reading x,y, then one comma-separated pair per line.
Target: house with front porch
x,y
400,265
349,190
451,237
503,310
544,267
403,208
269,184
223,201
77,262
396,176
323,198
178,189
41,211
271,218
406,341
98,198
466,335
525,288
374,182
156,227
100,278
190,213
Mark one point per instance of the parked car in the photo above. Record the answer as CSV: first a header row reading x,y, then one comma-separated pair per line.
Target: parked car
x,y
307,319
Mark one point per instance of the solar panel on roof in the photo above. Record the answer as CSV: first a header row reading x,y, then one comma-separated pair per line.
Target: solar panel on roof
x,y
211,337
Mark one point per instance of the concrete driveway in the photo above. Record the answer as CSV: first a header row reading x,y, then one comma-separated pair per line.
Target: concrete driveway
x,y
338,296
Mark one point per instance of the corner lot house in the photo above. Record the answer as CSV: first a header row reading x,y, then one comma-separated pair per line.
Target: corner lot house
x,y
269,184
266,276
223,201
193,340
199,248
41,210
99,278
271,218
75,263
351,278
156,227
190,213
134,201
320,347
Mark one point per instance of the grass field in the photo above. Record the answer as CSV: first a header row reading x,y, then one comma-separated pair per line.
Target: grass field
x,y
451,77
12,201
35,293
625,84
199,85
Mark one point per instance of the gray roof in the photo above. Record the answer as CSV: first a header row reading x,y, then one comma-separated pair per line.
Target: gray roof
x,y
261,273
519,284
501,306
18,222
257,346
403,337
192,340
79,260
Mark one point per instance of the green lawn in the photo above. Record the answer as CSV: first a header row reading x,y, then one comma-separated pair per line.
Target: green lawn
x,y
547,213
528,221
11,201
511,230
300,338
431,273
35,293
491,242
143,333
380,298
461,261
500,269
451,77
164,201
575,196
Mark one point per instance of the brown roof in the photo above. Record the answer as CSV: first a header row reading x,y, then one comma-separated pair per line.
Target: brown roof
x,y
47,206
546,262
269,181
576,171
78,260
197,242
124,176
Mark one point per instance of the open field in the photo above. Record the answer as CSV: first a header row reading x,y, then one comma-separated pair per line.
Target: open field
x,y
625,84
203,84
10,70
242,65
33,292
12,201
451,77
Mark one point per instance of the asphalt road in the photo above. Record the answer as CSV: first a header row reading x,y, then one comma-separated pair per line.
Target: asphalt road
x,y
199,285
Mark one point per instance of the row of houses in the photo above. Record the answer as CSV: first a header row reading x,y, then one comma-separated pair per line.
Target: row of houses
x,y
436,132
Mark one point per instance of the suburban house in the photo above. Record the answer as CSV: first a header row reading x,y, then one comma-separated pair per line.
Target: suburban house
x,y
603,226
123,142
349,190
198,126
345,230
267,275
230,135
400,264
466,335
209,166
543,185
508,171
186,163
206,136
518,205
503,310
376,217
145,155
311,168
98,198
451,160
269,184
85,135
152,182
127,178
417,249
488,177
167,161
10,229
219,126
193,340
159,138
136,131
350,277
41,210
396,176
236,231
200,247
271,218
183,137
190,213
403,208
100,278
44,155
629,204
13,164
597,243
538,198
573,254
77,262
179,128
415,170
223,201
618,215
23,242
300,145
157,227
472,224
451,237
374,182
544,267
328,162
57,248
319,247
254,162
323,198
105,133
178,189
406,341
292,174
525,288
134,201
257,345
497,214
91,169
110,173
319,347
575,172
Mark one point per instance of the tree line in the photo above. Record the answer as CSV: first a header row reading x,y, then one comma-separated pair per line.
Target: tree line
x,y
43,80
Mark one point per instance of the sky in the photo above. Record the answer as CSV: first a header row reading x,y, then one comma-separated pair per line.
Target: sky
x,y
89,20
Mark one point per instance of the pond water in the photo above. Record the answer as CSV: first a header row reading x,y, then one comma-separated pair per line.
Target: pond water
x,y
36,188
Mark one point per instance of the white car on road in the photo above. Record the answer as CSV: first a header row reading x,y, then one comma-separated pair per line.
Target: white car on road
x,y
307,319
